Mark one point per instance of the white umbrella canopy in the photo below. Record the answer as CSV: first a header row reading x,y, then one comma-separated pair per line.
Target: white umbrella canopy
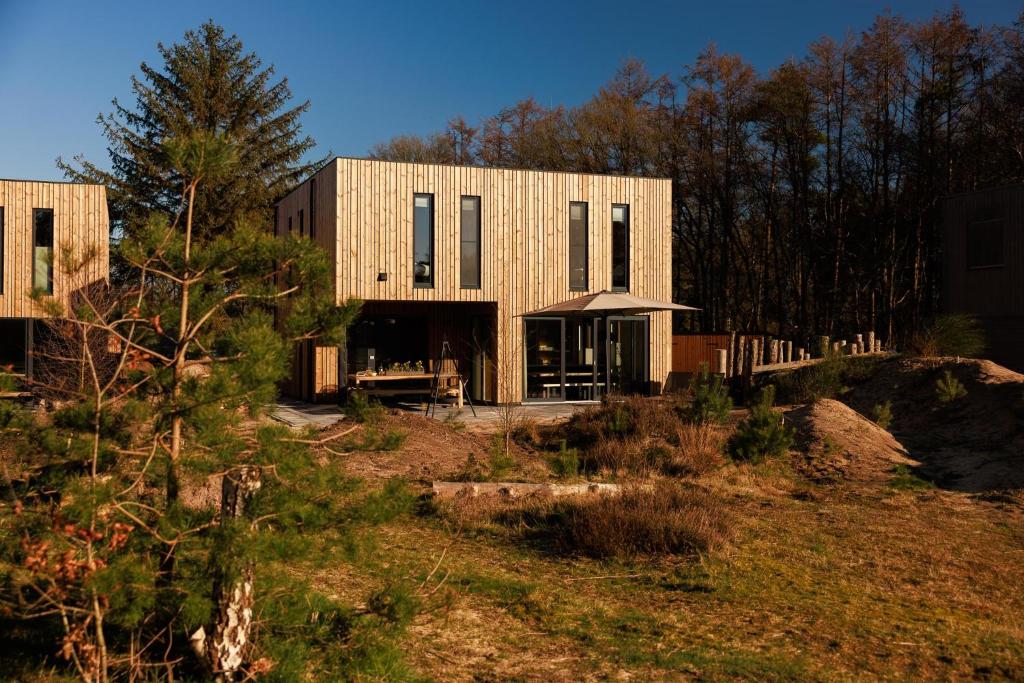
x,y
607,303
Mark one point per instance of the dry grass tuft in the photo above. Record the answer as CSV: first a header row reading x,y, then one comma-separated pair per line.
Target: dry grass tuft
x,y
668,519
698,451
665,519
642,437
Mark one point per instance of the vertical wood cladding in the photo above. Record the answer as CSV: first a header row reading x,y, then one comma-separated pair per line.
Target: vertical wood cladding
x,y
364,216
80,221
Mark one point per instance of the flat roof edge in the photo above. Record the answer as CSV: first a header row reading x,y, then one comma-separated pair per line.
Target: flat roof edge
x,y
502,168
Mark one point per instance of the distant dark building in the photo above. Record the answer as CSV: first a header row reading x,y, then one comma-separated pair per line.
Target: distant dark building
x,y
984,274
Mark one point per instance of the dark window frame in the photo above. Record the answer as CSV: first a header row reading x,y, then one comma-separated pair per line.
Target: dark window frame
x,y
586,248
463,241
312,208
302,223
36,212
626,269
969,240
432,240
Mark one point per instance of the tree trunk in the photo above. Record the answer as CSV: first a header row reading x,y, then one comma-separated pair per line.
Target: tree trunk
x,y
224,650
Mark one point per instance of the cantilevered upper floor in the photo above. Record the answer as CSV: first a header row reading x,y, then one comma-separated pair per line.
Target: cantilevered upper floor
x,y
524,239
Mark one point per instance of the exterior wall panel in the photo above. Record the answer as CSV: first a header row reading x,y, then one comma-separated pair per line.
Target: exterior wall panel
x,y
994,294
80,221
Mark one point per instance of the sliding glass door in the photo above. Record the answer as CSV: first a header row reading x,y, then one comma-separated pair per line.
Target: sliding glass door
x,y
582,358
627,354
544,339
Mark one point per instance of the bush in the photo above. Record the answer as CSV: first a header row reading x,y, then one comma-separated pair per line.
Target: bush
x,y
614,455
668,519
948,388
710,400
525,432
954,334
363,409
382,506
566,463
500,464
811,382
699,451
375,439
763,434
619,419
881,414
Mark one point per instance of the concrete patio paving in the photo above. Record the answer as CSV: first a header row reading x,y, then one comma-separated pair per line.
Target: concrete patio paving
x,y
300,414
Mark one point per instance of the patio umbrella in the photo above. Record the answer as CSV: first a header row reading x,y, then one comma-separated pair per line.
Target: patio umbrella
x,y
608,303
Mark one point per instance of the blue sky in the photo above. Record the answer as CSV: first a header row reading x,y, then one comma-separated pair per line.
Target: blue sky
x,y
375,69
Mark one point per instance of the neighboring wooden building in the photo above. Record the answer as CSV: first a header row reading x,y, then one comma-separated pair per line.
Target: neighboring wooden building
x,y
37,220
984,266
465,254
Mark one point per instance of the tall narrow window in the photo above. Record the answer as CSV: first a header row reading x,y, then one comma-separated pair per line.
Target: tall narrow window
x,y
578,246
302,224
42,251
312,208
470,243
423,240
620,246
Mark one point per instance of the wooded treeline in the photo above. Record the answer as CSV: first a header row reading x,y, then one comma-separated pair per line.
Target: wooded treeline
x,y
805,201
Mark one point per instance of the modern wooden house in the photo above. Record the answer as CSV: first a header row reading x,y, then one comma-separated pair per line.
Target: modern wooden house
x,y
471,256
37,220
984,266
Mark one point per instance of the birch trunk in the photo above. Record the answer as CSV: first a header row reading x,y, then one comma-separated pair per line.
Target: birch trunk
x,y
225,648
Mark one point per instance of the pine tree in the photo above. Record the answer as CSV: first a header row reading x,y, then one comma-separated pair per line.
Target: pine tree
x,y
174,368
764,433
206,84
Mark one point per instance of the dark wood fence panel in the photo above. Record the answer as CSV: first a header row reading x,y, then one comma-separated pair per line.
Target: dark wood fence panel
x,y
689,351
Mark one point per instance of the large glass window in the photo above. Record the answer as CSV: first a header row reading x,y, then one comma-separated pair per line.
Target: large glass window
x,y
985,244
13,343
578,246
423,240
580,359
544,344
620,246
42,251
470,243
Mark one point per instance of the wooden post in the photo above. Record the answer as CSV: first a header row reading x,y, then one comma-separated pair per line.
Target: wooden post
x,y
748,367
733,353
871,341
800,354
721,361
823,345
789,352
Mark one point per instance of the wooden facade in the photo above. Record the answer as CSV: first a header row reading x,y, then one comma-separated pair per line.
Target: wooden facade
x,y
362,212
80,221
73,221
983,239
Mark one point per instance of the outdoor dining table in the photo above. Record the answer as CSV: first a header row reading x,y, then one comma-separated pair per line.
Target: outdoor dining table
x,y
369,383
